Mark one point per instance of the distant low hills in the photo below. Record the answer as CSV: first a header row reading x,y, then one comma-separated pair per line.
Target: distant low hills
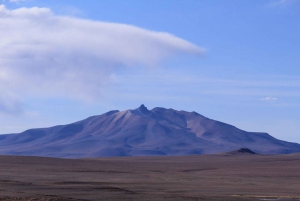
x,y
141,132
241,151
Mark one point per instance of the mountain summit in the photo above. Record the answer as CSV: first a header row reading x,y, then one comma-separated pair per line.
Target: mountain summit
x,y
140,132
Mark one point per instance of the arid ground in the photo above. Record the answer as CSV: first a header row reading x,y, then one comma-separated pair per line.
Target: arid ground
x,y
203,177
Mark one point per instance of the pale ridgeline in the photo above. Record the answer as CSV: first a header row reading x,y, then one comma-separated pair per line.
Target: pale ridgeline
x,y
141,132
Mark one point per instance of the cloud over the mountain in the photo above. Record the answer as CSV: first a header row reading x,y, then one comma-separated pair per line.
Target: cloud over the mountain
x,y
42,54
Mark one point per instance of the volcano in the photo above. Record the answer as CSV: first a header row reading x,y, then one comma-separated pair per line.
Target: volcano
x,y
140,132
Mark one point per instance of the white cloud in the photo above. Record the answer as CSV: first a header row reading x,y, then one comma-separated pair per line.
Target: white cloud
x,y
45,55
268,99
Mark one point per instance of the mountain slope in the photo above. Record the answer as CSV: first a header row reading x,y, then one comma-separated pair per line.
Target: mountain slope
x,y
141,131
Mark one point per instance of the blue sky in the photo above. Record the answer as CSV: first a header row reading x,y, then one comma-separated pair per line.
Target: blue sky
x,y
233,61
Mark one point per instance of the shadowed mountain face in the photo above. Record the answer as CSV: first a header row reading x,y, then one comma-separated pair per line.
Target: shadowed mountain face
x,y
139,132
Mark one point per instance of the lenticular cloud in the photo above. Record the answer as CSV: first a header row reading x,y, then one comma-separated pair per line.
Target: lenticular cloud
x,y
44,54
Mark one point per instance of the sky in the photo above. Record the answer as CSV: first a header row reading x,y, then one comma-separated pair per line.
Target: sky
x,y
233,61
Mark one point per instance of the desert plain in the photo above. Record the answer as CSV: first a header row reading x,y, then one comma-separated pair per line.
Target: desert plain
x,y
198,177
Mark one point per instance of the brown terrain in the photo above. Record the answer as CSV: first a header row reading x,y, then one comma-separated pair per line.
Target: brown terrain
x,y
231,176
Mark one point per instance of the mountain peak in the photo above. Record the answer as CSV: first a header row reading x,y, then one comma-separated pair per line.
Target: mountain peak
x,y
142,110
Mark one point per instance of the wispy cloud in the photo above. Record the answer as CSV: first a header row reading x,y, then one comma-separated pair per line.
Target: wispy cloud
x,y
250,90
268,99
11,106
14,1
283,2
45,55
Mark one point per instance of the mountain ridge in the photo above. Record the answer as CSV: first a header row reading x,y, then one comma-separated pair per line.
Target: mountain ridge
x,y
140,132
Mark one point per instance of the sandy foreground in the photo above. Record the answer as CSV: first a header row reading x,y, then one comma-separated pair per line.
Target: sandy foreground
x,y
202,177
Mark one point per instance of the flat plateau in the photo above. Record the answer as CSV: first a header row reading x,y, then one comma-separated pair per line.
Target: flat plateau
x,y
198,177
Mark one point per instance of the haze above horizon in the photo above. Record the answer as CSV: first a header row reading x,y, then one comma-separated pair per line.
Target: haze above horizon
x,y
232,61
